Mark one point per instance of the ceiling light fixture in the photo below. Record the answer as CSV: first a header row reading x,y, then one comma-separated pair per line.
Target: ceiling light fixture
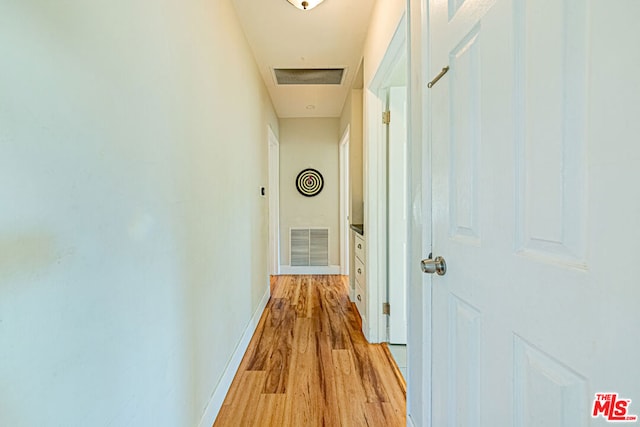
x,y
305,4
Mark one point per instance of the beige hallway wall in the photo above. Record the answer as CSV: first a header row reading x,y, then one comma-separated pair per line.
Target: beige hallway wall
x,y
133,143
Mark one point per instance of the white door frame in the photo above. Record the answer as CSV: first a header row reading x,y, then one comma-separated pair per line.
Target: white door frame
x,y
397,200
344,202
420,217
274,202
375,187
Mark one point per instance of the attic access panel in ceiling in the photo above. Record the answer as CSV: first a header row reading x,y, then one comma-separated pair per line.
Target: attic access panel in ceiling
x,y
309,76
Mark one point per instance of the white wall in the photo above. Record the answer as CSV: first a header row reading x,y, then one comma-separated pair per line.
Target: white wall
x,y
384,21
132,234
310,143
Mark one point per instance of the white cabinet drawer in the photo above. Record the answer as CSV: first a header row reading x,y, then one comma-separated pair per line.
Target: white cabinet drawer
x,y
359,250
359,271
361,302
359,275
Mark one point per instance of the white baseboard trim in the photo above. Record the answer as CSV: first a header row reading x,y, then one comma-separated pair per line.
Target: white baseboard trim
x,y
331,269
221,390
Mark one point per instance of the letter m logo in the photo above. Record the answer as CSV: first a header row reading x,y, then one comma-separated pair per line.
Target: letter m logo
x,y
601,407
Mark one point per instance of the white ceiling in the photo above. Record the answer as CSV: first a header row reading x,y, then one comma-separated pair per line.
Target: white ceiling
x,y
330,36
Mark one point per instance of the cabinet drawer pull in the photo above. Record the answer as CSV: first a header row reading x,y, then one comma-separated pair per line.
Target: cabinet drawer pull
x,y
359,245
359,271
359,298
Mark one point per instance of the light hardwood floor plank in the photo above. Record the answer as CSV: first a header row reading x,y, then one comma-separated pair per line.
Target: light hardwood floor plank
x,y
249,388
351,395
303,405
270,410
278,366
327,379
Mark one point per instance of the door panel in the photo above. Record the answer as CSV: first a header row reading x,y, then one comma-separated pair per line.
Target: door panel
x,y
536,210
464,88
464,363
550,114
547,393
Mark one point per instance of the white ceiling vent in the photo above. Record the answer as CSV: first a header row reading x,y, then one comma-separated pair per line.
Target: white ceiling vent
x,y
309,76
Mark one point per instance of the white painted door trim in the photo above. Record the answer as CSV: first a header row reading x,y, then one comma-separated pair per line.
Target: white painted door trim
x,y
273,193
375,187
419,242
344,202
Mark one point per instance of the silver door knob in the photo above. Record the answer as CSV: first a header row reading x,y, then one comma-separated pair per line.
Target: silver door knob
x,y
437,265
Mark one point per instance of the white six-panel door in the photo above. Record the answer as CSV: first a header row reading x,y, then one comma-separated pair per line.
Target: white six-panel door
x,y
536,209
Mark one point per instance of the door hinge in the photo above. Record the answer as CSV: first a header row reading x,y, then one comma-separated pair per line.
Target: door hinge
x,y
386,117
386,308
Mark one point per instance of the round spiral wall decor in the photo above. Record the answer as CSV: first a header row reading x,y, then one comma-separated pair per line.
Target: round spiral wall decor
x,y
309,182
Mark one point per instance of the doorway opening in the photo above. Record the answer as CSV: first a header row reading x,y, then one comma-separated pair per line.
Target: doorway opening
x,y
387,201
345,202
274,203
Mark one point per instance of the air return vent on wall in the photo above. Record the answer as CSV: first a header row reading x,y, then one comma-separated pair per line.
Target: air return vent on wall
x,y
309,76
309,247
